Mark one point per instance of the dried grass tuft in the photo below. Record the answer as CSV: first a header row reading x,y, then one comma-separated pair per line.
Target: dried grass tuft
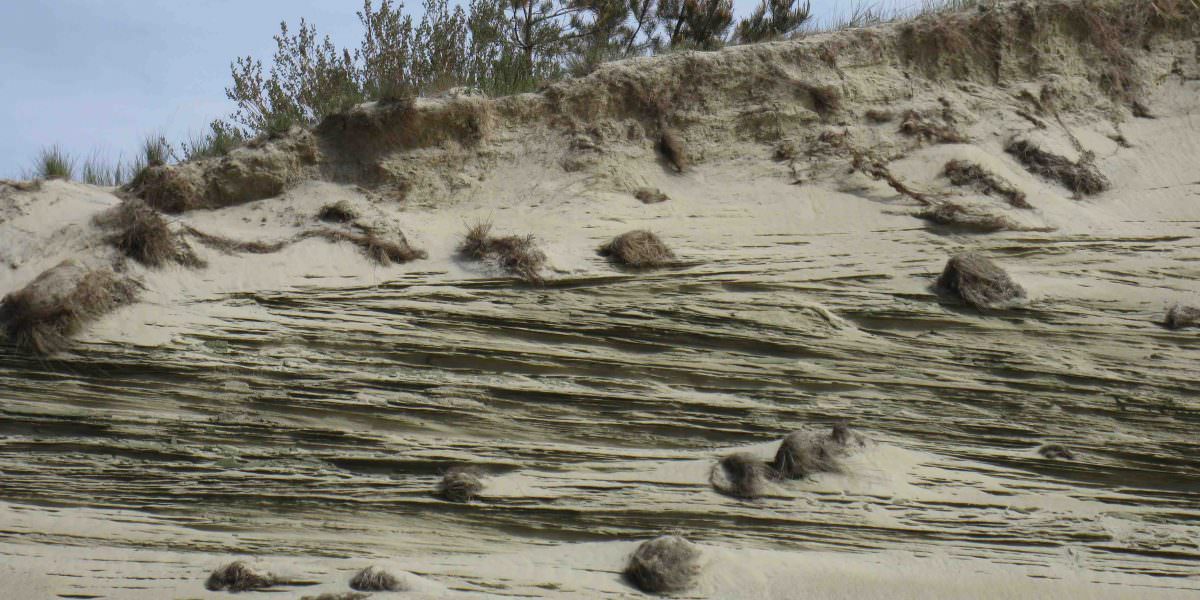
x,y
664,565
1181,316
237,576
1056,451
969,218
141,233
232,246
42,316
381,251
803,453
979,281
672,148
337,212
377,579
638,249
650,195
741,475
1081,177
460,484
519,256
336,596
965,173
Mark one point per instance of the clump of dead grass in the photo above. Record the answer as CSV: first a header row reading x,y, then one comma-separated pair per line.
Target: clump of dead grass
x,y
879,115
1081,177
238,576
460,484
650,195
377,579
42,316
639,249
336,596
664,565
517,255
1180,316
337,212
232,246
804,453
965,173
979,281
384,252
918,125
673,150
826,99
969,218
741,475
141,233
1056,451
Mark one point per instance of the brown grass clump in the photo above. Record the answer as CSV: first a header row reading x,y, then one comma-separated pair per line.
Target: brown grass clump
x,y
639,249
143,235
1182,316
917,125
826,99
517,255
672,148
741,475
802,453
878,115
664,565
237,576
1056,451
979,281
42,316
965,217
167,188
375,248
966,173
650,195
376,579
460,484
337,212
1081,177
232,246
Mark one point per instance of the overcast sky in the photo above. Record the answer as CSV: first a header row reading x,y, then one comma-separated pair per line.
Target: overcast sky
x,y
99,75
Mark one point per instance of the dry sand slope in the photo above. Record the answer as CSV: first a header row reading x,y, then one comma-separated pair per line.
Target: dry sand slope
x,y
295,406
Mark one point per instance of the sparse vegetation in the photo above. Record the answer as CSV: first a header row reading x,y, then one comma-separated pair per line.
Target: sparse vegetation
x,y
969,174
920,126
381,251
664,565
337,212
232,246
218,141
1181,316
519,256
460,484
979,281
42,316
1081,177
337,596
1056,451
377,579
969,218
650,195
141,233
741,475
54,163
238,576
638,249
774,19
802,453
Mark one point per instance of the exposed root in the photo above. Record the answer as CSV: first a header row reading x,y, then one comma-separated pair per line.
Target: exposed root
x,y
42,316
1181,316
741,475
966,173
1081,177
979,281
232,246
638,249
803,453
519,256
664,565
460,484
917,125
1056,451
237,576
376,579
375,248
141,233
877,170
650,196
672,148
337,212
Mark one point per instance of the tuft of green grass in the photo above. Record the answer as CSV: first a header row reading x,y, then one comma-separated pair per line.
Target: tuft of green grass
x,y
54,163
156,150
219,141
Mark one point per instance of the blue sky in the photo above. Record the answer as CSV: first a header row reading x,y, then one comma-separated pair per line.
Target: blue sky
x,y
99,75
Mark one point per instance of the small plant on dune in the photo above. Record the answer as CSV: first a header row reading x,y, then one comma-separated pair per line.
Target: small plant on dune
x,y
156,150
54,163
966,173
377,579
637,249
741,475
238,576
141,233
517,255
802,454
42,316
650,195
337,212
1081,177
219,141
664,565
1056,451
460,484
979,281
968,217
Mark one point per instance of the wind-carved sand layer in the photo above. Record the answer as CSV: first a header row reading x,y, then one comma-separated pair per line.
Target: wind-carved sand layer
x,y
292,400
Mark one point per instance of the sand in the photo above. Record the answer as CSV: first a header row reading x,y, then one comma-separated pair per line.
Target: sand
x,y
297,408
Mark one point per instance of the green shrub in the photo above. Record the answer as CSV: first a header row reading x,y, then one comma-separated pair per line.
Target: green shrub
x,y
54,163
